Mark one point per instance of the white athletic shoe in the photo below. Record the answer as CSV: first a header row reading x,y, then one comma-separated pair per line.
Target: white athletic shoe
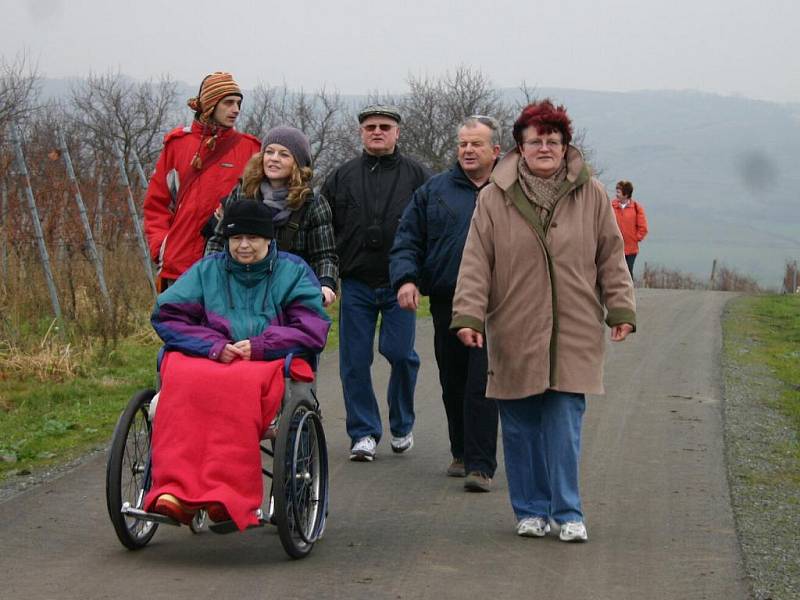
x,y
364,449
403,444
532,527
573,531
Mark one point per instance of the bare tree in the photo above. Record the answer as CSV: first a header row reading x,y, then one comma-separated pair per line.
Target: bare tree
x,y
113,108
435,106
321,115
19,88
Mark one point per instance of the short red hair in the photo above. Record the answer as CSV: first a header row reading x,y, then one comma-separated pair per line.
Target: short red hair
x,y
546,118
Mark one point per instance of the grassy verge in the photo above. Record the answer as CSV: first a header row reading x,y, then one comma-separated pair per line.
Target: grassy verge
x,y
764,331
46,422
51,416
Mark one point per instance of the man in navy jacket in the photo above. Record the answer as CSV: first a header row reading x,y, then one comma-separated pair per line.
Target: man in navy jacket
x,y
424,260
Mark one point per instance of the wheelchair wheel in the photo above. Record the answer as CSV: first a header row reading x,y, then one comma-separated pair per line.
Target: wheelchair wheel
x,y
300,475
128,473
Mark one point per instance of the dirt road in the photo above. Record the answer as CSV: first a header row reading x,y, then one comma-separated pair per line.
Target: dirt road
x,y
653,482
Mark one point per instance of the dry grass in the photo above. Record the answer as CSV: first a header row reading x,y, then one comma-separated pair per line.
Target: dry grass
x,y
725,279
52,361
26,313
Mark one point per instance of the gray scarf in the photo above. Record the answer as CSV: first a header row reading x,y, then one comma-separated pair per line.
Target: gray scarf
x,y
277,201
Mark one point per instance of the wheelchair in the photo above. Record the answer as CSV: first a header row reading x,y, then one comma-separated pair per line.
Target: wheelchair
x,y
294,465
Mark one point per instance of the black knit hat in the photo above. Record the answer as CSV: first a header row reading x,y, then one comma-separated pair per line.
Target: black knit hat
x,y
248,216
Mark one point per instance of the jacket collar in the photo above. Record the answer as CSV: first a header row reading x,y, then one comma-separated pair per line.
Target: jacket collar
x,y
385,160
204,129
505,172
251,274
458,175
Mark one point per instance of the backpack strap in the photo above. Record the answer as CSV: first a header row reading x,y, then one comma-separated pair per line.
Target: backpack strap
x,y
288,232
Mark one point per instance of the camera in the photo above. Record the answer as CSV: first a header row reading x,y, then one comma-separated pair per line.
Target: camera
x,y
373,237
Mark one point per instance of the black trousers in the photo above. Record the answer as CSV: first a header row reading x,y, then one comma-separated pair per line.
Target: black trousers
x,y
629,258
471,417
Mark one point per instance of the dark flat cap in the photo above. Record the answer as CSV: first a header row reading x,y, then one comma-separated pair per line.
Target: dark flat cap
x,y
380,110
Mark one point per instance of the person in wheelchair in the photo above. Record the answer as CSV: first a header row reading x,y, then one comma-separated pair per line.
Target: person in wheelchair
x,y
225,323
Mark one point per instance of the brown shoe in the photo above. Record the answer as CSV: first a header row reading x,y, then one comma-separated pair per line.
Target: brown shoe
x,y
478,482
170,506
456,468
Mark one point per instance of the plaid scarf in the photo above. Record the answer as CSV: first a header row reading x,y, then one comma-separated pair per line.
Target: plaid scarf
x,y
541,192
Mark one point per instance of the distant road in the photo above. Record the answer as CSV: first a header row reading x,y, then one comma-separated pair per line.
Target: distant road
x,y
653,479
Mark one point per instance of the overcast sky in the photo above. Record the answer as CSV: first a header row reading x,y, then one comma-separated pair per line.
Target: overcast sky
x,y
745,47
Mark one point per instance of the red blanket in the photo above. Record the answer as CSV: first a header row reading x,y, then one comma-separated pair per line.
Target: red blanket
x,y
209,421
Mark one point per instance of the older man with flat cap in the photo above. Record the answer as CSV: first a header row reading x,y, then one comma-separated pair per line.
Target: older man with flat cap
x,y
198,166
367,196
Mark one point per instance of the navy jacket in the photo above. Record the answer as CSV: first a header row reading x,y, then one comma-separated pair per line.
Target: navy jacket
x,y
432,233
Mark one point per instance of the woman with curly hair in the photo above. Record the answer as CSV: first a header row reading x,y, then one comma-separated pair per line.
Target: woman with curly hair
x,y
279,176
543,265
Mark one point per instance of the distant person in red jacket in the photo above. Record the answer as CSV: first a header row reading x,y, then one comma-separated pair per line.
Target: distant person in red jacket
x,y
198,166
631,220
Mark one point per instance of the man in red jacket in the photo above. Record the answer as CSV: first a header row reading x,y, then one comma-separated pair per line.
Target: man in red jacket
x,y
631,220
198,166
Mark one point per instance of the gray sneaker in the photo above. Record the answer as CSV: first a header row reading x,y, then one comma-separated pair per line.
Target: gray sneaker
x,y
533,527
403,443
364,449
478,482
573,531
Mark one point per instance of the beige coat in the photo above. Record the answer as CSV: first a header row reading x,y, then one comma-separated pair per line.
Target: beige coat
x,y
539,294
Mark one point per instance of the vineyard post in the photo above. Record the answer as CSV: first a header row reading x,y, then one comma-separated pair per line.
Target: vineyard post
x,y
712,279
87,229
4,230
137,228
137,164
99,207
16,140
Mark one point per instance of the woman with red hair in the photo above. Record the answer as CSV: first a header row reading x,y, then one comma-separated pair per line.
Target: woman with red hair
x,y
543,265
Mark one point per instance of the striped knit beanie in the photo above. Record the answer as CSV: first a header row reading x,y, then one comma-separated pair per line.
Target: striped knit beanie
x,y
213,89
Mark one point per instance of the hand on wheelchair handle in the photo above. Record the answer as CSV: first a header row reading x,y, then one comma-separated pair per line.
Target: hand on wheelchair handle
x,y
328,296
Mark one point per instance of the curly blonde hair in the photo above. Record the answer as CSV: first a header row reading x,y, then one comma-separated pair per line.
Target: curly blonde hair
x,y
298,186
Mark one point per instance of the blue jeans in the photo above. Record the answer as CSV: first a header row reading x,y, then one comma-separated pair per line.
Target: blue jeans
x,y
542,445
358,314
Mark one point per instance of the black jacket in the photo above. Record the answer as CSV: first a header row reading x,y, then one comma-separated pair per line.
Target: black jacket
x,y
370,191
432,233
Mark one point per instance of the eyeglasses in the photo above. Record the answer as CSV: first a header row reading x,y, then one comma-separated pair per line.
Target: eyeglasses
x,y
538,144
382,126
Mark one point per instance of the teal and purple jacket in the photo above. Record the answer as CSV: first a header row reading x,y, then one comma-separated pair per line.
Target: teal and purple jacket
x,y
275,303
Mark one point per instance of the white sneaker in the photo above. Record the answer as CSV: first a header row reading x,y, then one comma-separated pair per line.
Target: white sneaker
x,y
573,531
364,449
403,444
532,527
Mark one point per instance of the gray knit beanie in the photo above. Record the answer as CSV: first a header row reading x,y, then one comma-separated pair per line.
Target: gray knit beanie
x,y
293,139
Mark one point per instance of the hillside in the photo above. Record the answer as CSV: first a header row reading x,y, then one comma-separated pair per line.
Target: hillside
x,y
715,174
